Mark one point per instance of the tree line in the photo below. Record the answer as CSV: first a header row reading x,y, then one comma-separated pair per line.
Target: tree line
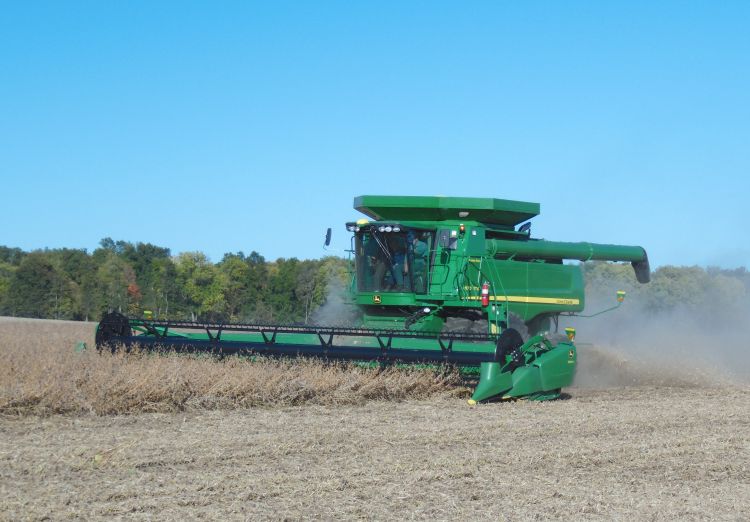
x,y
132,277
715,291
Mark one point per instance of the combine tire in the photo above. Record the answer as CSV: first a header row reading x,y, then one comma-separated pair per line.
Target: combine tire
x,y
509,344
510,341
112,324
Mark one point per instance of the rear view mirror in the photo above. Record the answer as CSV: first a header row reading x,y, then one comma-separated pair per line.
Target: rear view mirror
x,y
328,237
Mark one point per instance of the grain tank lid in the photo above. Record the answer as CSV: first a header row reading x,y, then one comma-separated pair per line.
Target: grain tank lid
x,y
441,208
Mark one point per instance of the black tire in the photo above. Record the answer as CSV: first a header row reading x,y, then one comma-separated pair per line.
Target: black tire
x,y
509,344
112,324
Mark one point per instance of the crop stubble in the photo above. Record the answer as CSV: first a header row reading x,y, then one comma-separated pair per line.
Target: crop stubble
x,y
644,452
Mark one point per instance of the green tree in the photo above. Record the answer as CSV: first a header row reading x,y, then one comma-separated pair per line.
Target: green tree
x,y
671,286
237,274
114,277
165,288
6,275
31,292
11,256
145,259
282,298
308,288
76,271
89,307
255,304
203,286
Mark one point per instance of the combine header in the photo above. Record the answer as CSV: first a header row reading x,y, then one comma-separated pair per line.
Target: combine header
x,y
439,280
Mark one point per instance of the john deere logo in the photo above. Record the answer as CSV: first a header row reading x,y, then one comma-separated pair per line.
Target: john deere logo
x,y
376,299
570,354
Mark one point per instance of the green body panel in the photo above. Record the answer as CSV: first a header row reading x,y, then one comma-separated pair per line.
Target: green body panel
x,y
526,380
547,372
388,299
528,288
492,381
456,277
441,208
557,367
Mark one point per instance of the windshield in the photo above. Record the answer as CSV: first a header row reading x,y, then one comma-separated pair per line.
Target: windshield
x,y
392,261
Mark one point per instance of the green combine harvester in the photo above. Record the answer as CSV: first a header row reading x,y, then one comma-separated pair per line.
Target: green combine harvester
x,y
438,280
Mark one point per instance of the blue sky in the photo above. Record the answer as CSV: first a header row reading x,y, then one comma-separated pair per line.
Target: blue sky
x,y
223,126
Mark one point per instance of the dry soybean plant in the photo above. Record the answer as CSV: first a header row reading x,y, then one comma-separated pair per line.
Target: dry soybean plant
x,y
41,373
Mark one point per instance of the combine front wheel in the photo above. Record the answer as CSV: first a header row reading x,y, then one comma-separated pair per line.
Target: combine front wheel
x,y
509,344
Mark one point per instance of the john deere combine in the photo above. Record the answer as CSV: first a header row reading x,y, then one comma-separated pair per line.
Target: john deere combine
x,y
439,280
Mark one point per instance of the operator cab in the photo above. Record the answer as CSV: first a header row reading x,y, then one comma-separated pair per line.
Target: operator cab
x,y
391,258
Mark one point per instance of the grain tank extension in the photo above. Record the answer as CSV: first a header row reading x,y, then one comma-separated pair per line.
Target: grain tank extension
x,y
450,280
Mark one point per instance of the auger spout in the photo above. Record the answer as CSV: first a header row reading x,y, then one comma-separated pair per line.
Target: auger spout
x,y
583,251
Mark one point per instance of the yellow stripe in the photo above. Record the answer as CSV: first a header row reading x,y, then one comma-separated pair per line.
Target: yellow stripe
x,y
529,299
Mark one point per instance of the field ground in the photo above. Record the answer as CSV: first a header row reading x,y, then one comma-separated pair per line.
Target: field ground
x,y
642,452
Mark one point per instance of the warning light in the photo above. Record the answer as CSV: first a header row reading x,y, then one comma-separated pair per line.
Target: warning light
x,y
620,296
571,333
462,228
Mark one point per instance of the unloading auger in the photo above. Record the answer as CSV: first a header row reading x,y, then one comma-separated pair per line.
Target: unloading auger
x,y
438,280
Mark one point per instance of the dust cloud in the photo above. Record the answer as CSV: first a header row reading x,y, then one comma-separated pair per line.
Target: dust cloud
x,y
705,345
338,308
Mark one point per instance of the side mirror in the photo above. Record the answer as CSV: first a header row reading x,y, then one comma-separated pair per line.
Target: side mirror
x,y
328,237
